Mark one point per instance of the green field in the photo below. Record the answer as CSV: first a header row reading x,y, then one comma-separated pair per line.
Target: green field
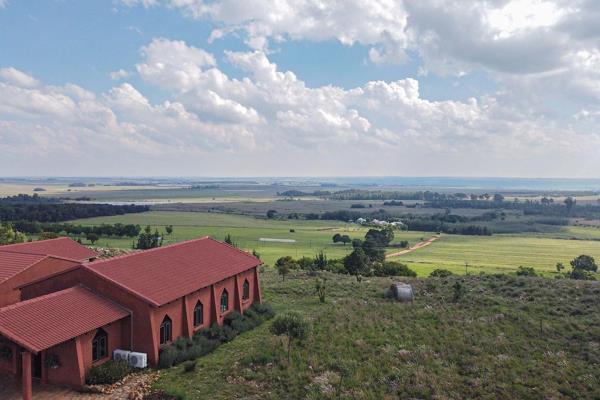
x,y
311,236
488,253
507,338
498,253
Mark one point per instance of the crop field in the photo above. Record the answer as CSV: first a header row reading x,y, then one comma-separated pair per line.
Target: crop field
x,y
489,254
310,237
498,253
507,338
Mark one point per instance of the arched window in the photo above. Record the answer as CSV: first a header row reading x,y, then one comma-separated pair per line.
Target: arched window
x,y
224,301
246,290
198,314
100,345
166,330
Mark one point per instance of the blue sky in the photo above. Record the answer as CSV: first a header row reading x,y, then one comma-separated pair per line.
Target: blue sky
x,y
511,87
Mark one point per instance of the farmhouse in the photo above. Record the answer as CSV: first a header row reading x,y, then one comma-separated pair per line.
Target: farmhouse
x,y
64,312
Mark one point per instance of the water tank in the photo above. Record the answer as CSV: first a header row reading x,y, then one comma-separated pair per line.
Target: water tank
x,y
402,292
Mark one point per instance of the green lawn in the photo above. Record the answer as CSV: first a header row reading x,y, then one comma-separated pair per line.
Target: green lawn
x,y
311,236
507,338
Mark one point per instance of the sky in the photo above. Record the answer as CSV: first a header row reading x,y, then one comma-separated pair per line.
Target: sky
x,y
300,88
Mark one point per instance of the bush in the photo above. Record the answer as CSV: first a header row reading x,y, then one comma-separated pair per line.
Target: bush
x,y
167,356
183,350
581,274
189,366
108,373
264,310
440,273
392,268
526,271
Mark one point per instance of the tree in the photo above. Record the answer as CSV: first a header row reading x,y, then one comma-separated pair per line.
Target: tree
x,y
271,214
336,238
283,269
229,240
256,254
570,203
92,237
373,250
169,229
148,240
584,262
559,267
8,235
356,243
357,262
345,239
498,198
293,326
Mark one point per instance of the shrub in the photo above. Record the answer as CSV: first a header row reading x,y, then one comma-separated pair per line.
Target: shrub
x,y
292,325
167,356
189,366
581,274
440,273
220,333
526,271
108,373
458,291
392,268
264,310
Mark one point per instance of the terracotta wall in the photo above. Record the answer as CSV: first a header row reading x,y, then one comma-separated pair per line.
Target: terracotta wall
x,y
75,355
146,319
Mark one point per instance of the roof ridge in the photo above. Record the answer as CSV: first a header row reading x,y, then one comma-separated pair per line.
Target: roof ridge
x,y
244,252
37,241
132,254
44,255
39,298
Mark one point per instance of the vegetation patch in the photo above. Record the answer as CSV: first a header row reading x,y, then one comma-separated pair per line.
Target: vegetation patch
x,y
501,337
185,350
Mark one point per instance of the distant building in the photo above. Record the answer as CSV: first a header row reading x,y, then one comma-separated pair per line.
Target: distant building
x,y
76,312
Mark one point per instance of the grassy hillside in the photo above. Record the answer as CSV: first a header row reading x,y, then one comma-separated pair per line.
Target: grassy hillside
x,y
508,338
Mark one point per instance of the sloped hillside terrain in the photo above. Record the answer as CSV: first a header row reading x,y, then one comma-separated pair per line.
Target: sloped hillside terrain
x,y
481,337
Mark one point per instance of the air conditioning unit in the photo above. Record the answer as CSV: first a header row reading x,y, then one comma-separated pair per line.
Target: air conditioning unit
x,y
138,360
121,355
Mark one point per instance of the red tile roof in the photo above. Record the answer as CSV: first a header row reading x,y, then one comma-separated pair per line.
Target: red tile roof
x,y
46,321
61,247
164,274
13,263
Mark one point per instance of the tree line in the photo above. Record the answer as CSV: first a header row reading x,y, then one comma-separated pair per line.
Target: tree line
x,y
115,230
29,210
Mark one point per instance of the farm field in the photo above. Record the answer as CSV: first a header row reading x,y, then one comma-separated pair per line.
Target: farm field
x,y
483,253
498,253
310,237
507,338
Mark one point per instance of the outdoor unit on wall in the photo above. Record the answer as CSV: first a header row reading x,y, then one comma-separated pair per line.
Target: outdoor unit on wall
x,y
121,355
138,360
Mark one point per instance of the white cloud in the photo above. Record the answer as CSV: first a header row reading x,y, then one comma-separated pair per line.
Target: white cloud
x,y
119,74
271,122
18,78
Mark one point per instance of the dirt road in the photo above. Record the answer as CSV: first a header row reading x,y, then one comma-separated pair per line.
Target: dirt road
x,y
417,246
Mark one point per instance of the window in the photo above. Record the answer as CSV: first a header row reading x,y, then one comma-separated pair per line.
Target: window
x,y
224,301
100,345
246,290
198,314
165,330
